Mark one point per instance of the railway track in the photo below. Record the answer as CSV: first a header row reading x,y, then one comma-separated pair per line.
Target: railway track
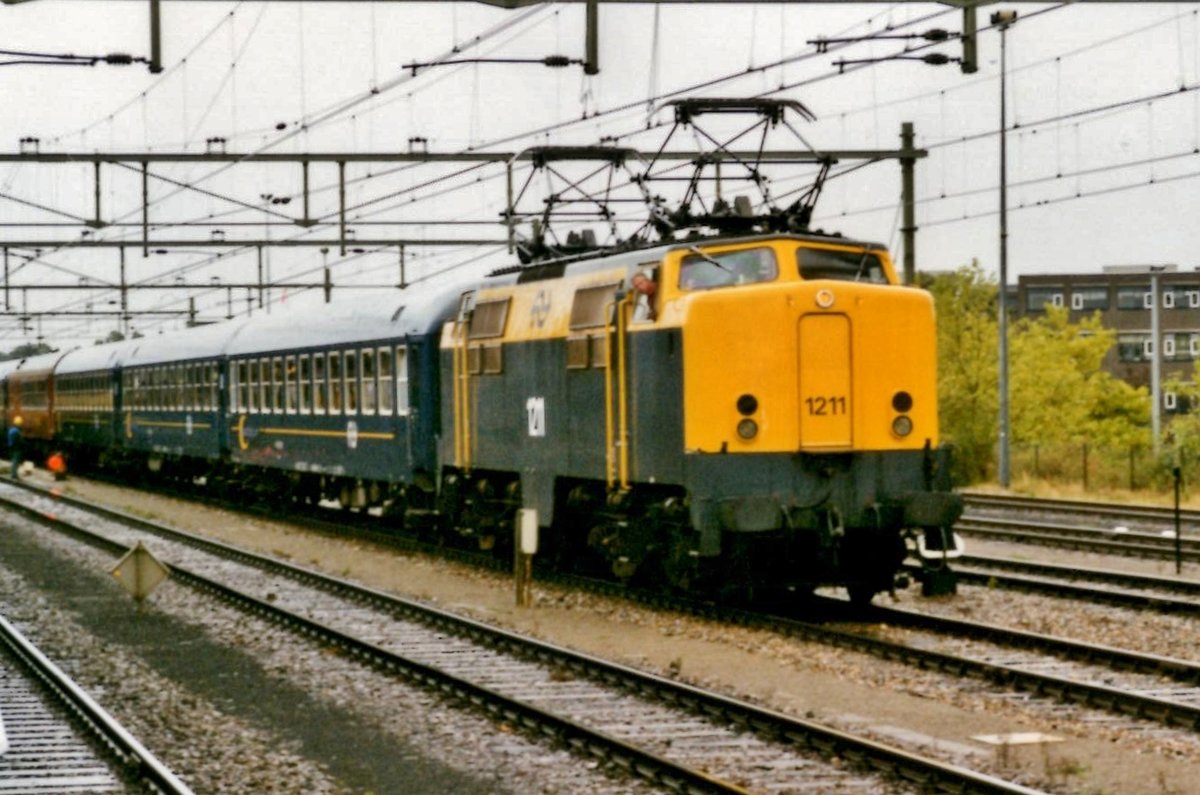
x,y
1109,586
1085,539
679,737
1136,531
59,740
1145,516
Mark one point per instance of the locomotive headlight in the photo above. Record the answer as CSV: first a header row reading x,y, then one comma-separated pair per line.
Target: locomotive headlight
x,y
747,429
747,405
902,426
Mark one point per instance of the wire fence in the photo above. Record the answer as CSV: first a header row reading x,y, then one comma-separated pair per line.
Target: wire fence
x,y
1101,467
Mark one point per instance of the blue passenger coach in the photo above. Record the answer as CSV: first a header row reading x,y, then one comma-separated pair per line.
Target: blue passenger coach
x,y
342,407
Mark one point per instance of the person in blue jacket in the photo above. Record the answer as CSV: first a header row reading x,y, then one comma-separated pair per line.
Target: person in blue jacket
x,y
15,443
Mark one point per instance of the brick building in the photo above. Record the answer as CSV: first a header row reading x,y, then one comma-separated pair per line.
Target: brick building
x,y
1122,296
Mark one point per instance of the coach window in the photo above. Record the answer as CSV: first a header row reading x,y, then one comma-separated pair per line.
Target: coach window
x,y
304,383
290,376
191,374
387,385
277,386
401,380
265,400
319,395
351,381
367,373
252,385
235,385
335,382
243,385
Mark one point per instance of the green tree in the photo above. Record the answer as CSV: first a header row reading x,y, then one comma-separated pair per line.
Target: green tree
x,y
1060,391
26,350
968,339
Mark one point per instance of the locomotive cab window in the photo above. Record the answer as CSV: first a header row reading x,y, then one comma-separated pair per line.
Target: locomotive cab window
x,y
706,271
846,266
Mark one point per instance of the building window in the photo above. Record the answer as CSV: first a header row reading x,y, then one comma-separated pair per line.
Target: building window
x,y
1170,402
1180,296
1131,347
1089,298
1132,297
1036,298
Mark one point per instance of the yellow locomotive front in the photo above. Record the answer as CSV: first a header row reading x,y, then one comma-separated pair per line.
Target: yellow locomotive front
x,y
809,412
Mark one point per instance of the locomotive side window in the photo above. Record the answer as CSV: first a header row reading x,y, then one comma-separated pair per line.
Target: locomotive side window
x,y
704,271
387,385
335,383
847,266
319,395
588,308
367,373
351,381
305,375
401,380
488,319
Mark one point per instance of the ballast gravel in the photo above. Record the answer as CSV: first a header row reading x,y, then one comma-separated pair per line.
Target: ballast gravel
x,y
237,705
925,712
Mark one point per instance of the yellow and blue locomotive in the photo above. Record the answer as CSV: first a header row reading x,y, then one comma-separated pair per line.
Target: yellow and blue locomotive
x,y
750,414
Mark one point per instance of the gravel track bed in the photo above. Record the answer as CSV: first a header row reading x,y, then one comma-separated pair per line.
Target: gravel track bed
x,y
731,755
370,725
47,751
924,712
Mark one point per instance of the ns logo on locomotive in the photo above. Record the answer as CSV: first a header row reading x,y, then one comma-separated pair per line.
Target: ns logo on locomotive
x,y
740,414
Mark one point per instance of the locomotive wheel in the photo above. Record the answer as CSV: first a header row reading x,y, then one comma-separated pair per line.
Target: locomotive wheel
x,y
681,561
860,594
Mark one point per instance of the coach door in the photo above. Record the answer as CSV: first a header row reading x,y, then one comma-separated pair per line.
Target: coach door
x,y
825,382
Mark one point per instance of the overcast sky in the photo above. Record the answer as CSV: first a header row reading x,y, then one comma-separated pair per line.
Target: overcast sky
x,y
1113,181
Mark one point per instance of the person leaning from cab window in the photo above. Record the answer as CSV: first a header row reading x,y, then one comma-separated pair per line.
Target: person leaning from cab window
x,y
15,440
646,291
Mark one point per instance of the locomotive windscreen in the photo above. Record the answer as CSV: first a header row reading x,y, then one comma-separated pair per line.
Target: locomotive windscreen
x,y
851,266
